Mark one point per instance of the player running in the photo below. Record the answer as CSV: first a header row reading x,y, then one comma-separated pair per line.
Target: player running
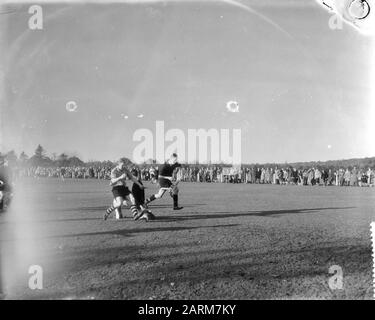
x,y
120,191
165,181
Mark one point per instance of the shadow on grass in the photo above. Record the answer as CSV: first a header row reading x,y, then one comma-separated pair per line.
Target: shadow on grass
x,y
177,216
130,232
212,273
228,214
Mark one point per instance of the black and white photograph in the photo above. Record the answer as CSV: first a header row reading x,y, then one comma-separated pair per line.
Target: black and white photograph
x,y
187,150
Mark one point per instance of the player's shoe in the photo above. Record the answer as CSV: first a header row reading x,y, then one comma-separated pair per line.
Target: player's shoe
x,y
144,216
177,208
150,215
138,215
147,216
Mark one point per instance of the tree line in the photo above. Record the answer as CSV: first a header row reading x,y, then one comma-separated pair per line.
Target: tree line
x,y
41,159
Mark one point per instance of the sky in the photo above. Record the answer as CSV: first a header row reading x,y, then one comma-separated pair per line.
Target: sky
x,y
303,89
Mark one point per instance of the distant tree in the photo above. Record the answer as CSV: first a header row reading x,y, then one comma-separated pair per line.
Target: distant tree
x,y
62,160
40,152
11,157
39,158
23,157
75,162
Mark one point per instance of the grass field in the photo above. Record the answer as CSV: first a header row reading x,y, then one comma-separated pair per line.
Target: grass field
x,y
229,242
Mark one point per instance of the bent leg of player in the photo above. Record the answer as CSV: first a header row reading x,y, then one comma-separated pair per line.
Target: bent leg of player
x,y
174,194
133,208
115,206
144,214
118,213
158,195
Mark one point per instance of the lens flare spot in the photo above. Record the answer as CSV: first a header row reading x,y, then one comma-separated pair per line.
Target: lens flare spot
x,y
71,106
359,9
233,106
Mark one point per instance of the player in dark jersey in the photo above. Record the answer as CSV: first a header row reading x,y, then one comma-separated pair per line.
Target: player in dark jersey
x,y
139,197
165,179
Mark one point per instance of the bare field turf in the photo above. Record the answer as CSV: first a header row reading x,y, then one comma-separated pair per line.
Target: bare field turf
x,y
229,242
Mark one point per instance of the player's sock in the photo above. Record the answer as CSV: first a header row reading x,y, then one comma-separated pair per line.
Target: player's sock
x,y
134,210
108,212
152,198
175,201
136,213
110,209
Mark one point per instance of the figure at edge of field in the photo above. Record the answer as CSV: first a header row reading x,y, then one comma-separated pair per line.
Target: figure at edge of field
x,y
5,185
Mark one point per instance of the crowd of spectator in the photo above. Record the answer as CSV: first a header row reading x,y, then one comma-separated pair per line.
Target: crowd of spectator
x,y
64,172
281,176
195,173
